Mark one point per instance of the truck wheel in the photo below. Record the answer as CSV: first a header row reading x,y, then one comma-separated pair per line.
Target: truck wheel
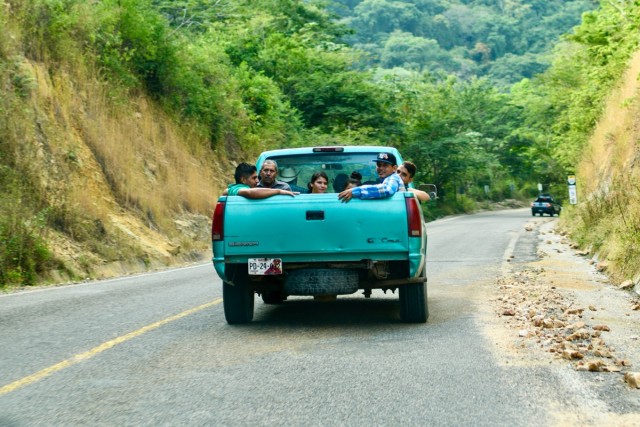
x,y
413,303
238,300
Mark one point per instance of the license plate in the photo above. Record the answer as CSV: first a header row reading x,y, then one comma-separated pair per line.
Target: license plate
x,y
265,266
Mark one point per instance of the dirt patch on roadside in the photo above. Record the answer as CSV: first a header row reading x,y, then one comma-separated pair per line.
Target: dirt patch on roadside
x,y
569,309
564,306
560,310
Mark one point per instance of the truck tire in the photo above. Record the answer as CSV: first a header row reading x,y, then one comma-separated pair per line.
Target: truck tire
x,y
414,307
238,300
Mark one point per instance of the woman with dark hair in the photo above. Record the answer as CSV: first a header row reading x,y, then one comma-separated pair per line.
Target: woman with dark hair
x,y
318,183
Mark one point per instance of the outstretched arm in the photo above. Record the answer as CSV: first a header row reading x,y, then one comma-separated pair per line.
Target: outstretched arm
x,y
263,193
423,196
389,187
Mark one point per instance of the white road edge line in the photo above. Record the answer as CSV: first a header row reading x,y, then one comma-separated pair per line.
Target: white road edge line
x,y
91,282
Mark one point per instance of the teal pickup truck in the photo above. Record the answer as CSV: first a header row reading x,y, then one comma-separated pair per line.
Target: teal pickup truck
x,y
316,245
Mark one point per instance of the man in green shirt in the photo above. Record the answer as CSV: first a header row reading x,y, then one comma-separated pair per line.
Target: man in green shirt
x,y
246,176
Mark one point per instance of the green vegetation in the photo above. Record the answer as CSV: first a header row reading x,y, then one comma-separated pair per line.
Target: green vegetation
x,y
563,107
147,103
505,41
23,251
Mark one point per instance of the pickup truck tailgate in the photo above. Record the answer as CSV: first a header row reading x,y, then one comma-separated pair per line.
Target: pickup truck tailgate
x,y
315,227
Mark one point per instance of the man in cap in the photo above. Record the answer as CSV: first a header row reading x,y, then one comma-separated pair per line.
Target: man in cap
x,y
268,175
386,166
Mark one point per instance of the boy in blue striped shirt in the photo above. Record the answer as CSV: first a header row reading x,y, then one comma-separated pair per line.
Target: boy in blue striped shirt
x,y
386,166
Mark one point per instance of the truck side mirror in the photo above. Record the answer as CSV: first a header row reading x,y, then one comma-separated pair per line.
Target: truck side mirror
x,y
430,189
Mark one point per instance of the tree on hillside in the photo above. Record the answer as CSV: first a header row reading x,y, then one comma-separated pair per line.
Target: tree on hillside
x,y
194,15
383,16
404,50
457,132
313,70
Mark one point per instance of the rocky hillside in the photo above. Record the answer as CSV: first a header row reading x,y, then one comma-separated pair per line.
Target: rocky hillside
x,y
606,220
131,188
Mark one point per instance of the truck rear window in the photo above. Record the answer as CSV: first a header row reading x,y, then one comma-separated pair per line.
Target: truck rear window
x,y
337,166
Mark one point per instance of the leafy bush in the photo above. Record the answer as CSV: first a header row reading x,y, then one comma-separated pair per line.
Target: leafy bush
x,y
23,252
131,40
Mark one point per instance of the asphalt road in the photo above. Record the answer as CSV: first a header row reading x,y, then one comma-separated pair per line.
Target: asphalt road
x,y
154,349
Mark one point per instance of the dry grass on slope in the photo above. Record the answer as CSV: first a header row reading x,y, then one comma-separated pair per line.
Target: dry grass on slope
x,y
607,217
130,188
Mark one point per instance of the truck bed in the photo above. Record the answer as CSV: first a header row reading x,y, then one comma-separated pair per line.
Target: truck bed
x,y
316,227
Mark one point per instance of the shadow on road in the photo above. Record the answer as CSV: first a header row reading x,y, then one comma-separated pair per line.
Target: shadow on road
x,y
345,310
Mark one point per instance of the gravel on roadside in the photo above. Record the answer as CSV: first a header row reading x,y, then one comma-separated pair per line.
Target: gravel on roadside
x,y
564,306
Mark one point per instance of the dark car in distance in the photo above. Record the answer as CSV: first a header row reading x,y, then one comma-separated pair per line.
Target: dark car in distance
x,y
545,204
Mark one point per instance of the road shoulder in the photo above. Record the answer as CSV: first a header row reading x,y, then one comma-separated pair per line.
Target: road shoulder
x,y
559,311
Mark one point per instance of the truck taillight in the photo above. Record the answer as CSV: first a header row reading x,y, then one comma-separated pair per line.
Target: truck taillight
x,y
414,217
217,228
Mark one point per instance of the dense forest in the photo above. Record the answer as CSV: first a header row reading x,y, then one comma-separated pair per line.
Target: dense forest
x,y
505,41
487,98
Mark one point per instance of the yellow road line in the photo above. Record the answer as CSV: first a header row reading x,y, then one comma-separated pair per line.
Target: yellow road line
x,y
99,349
